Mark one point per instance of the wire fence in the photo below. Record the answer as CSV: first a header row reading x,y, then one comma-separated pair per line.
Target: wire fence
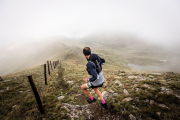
x,y
18,100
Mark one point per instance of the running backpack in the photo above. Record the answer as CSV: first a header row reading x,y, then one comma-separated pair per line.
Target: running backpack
x,y
97,64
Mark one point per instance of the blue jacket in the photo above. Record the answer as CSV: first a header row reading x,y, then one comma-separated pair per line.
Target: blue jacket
x,y
92,68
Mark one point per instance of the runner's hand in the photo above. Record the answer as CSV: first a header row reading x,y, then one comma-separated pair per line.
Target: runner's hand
x,y
86,80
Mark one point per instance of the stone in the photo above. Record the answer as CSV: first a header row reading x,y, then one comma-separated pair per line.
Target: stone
x,y
122,74
20,91
60,97
118,82
135,107
166,90
156,73
178,96
132,77
147,100
111,91
115,94
158,113
151,102
163,106
169,73
106,94
70,82
56,82
146,85
127,99
117,77
151,76
7,88
125,92
14,106
132,117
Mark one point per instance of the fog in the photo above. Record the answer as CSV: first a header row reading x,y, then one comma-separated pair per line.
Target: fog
x,y
30,22
152,20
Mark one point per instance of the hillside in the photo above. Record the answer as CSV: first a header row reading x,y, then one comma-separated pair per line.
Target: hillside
x,y
130,94
135,51
30,54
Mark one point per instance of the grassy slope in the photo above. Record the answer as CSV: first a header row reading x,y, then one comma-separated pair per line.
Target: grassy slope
x,y
75,71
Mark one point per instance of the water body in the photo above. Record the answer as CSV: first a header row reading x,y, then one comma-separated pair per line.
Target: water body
x,y
133,66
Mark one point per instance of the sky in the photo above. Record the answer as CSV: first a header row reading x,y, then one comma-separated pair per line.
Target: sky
x,y
157,21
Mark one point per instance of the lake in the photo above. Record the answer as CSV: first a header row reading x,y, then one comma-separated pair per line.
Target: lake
x,y
133,66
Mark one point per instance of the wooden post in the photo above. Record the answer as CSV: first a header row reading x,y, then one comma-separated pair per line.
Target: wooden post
x,y
45,74
48,67
51,65
36,94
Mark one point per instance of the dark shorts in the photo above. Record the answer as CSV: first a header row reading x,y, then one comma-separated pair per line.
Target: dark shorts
x,y
89,85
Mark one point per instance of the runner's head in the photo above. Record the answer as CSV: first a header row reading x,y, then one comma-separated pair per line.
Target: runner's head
x,y
87,52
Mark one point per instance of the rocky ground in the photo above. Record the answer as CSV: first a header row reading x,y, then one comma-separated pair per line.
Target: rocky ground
x,y
129,95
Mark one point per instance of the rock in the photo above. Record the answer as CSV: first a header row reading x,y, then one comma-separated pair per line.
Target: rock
x,y
60,97
20,91
1,79
118,77
132,117
151,76
75,111
122,74
122,71
111,91
132,77
146,85
7,88
14,106
56,82
137,89
70,82
147,100
163,106
135,107
115,94
125,92
127,99
118,82
6,80
169,73
158,113
106,94
92,91
166,90
151,102
156,73
178,96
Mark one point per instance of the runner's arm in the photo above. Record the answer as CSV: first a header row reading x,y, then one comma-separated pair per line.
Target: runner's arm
x,y
102,60
92,70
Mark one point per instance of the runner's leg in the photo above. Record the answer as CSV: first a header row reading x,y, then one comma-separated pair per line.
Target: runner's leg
x,y
98,93
84,88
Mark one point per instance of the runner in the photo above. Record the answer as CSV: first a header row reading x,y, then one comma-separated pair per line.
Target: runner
x,y
95,70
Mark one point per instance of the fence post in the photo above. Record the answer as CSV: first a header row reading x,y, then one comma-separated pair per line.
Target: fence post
x,y
48,67
55,64
51,65
36,94
45,74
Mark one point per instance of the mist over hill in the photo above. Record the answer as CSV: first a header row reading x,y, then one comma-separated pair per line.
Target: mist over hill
x,y
135,50
21,55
